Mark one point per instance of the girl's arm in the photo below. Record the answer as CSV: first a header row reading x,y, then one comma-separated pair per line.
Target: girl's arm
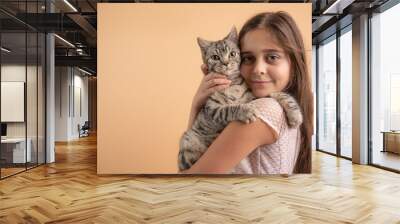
x,y
193,113
235,142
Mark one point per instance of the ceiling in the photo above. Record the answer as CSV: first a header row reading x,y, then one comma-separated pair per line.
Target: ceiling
x,y
76,22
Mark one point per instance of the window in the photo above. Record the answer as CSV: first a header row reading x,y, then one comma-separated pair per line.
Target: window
x,y
385,85
327,96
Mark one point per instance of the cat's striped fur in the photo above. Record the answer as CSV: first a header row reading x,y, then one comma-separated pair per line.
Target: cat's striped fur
x,y
230,104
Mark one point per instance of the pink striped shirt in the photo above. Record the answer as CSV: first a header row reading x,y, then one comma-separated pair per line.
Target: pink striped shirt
x,y
278,157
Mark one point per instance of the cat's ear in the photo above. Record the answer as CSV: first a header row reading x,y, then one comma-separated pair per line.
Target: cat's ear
x,y
204,44
232,36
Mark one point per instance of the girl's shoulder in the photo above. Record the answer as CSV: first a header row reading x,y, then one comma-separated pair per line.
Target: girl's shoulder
x,y
268,104
271,112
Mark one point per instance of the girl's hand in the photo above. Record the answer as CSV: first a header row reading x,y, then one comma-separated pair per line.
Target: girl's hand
x,y
210,83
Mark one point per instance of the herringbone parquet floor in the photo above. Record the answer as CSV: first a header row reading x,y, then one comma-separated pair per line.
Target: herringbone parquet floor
x,y
69,191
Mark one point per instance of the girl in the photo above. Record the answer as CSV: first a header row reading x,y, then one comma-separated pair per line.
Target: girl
x,y
273,60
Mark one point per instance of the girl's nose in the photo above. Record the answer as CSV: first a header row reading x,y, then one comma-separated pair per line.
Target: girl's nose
x,y
260,67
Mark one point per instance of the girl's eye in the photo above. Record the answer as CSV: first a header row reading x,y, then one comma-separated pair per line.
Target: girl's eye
x,y
247,59
272,57
215,57
233,54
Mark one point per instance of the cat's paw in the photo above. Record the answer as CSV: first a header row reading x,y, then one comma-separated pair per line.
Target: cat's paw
x,y
291,107
295,118
247,113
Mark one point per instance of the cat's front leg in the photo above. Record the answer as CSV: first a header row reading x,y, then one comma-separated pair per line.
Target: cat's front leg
x,y
245,113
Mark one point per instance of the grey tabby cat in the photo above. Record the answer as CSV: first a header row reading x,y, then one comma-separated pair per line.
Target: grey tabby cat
x,y
230,104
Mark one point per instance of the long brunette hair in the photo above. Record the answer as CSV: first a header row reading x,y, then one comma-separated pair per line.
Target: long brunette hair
x,y
287,33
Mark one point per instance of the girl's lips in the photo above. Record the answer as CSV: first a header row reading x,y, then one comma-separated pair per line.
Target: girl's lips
x,y
261,81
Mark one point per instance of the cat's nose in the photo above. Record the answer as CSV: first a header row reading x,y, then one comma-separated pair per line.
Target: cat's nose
x,y
225,60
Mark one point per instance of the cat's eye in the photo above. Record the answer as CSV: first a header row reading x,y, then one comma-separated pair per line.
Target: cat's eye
x,y
233,54
215,57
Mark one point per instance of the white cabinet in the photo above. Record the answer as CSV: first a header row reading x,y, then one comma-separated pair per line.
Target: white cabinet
x,y
17,146
391,142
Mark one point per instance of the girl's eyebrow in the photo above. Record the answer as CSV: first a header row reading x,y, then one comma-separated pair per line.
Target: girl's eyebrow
x,y
265,51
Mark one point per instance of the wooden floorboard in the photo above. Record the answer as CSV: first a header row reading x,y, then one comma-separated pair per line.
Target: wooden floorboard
x,y
70,191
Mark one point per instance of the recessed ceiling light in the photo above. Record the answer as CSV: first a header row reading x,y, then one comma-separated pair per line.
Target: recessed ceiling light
x,y
337,7
5,49
64,40
84,71
70,5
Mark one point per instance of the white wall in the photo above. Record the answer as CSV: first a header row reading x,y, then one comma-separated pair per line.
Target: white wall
x,y
16,73
70,83
80,84
62,80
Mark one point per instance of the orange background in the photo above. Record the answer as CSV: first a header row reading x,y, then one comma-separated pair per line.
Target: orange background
x,y
148,72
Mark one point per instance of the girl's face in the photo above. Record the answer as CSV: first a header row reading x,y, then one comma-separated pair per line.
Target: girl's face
x,y
265,67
